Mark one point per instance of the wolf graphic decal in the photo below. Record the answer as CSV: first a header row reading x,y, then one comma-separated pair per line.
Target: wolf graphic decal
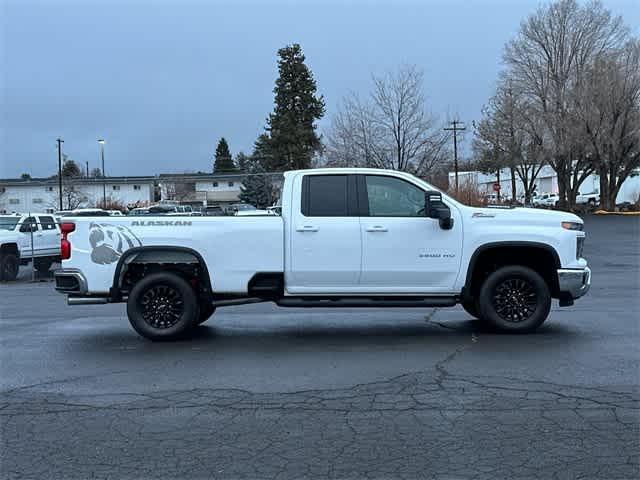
x,y
108,242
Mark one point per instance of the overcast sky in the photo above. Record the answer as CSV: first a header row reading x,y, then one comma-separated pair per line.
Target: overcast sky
x,y
163,80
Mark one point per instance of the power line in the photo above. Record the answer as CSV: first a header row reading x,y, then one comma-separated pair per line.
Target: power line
x,y
456,128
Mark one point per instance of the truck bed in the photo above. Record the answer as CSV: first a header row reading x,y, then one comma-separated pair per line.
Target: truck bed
x,y
237,246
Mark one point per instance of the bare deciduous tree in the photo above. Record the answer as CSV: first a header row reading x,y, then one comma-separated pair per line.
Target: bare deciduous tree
x,y
508,136
609,109
391,129
548,57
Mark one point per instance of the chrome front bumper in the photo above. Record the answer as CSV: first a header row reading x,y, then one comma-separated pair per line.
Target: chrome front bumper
x,y
574,281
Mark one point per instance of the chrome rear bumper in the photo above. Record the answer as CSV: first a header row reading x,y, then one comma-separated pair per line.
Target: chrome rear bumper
x,y
70,281
574,282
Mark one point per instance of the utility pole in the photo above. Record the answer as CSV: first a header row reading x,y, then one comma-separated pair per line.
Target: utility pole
x,y
87,163
456,127
104,178
60,142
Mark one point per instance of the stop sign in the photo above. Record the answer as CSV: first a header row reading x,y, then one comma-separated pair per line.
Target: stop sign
x,y
496,187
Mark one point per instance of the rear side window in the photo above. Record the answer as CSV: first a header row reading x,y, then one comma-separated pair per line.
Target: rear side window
x,y
325,196
47,223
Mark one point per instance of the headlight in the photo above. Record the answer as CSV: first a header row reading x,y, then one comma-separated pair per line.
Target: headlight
x,y
572,226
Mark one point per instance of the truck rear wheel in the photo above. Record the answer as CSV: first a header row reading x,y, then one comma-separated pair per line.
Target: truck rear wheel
x,y
9,266
162,306
515,299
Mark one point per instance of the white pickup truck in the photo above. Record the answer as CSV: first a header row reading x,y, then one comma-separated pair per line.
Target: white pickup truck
x,y
345,238
18,234
591,199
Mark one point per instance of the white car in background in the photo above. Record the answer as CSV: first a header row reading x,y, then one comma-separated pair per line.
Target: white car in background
x,y
591,199
25,238
546,200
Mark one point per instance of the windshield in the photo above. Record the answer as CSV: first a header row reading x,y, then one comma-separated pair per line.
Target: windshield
x,y
8,223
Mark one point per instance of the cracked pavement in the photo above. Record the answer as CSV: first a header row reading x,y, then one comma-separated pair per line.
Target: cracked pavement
x,y
262,392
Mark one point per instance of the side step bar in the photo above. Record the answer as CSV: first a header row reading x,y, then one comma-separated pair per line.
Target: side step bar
x,y
86,300
348,302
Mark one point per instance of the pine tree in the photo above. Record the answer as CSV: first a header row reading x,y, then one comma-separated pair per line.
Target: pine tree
x,y
262,152
257,188
223,161
70,169
242,161
293,138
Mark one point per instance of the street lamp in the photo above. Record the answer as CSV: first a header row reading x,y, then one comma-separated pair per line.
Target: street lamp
x,y
104,179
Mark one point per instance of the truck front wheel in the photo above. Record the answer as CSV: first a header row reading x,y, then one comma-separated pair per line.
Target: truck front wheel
x,y
9,266
515,299
162,306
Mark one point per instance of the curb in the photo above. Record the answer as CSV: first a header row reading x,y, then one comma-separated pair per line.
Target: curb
x,y
604,212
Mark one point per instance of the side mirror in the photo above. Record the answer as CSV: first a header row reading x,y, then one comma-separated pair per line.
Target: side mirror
x,y
435,208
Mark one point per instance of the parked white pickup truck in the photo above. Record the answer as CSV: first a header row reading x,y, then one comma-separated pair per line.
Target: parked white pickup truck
x,y
591,199
345,238
18,233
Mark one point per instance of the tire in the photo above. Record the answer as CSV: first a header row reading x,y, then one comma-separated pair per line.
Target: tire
x,y
206,311
42,265
471,308
515,299
162,306
9,267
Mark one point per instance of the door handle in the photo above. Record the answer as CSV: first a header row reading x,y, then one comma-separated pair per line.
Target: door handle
x,y
307,228
377,228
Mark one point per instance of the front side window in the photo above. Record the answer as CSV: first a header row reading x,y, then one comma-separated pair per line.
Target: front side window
x,y
393,197
29,225
324,196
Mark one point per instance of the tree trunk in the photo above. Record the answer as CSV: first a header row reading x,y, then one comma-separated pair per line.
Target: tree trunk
x,y
612,191
563,187
513,184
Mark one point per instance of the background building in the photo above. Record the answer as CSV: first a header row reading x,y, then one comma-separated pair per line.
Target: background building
x,y
546,182
202,189
42,194
205,188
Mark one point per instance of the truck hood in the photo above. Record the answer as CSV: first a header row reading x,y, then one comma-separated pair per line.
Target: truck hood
x,y
8,236
524,215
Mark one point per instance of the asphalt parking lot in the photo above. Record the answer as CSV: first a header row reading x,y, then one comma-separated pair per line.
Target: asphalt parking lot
x,y
262,392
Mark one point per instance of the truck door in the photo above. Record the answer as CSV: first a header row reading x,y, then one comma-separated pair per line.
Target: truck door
x,y
28,226
402,250
324,251
50,239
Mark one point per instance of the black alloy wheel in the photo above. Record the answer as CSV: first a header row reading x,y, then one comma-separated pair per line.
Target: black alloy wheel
x,y
515,300
162,306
